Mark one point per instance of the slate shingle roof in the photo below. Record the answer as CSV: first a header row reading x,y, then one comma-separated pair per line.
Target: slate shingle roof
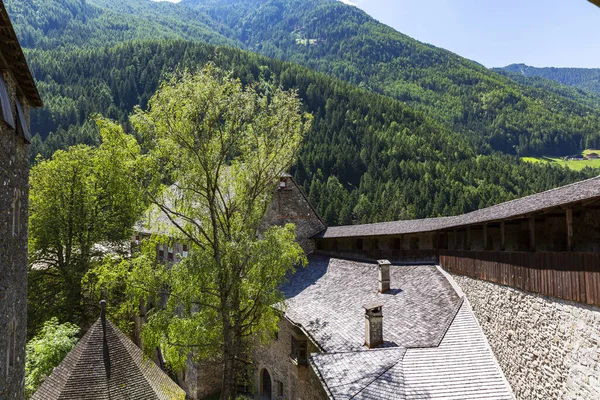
x,y
581,191
327,299
82,374
433,347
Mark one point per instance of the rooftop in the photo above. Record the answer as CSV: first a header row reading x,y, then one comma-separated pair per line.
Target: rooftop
x,y
84,374
587,190
433,346
15,59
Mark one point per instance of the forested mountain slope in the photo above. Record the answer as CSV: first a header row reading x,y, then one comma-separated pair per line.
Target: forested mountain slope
x,y
367,158
583,78
493,111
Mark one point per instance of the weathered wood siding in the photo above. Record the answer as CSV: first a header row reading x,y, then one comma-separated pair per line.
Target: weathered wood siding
x,y
564,275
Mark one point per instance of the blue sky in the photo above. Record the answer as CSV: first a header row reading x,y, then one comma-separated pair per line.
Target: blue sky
x,y
542,33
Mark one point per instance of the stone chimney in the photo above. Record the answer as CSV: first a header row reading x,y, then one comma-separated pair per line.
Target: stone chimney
x,y
373,325
384,275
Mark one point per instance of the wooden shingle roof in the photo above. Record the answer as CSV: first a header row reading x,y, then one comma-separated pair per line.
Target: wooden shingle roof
x,y
86,374
15,59
584,191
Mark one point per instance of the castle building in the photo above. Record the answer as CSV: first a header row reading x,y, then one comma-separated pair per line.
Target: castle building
x,y
18,93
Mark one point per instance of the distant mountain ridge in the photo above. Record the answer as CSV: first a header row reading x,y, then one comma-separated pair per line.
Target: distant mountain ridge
x,y
495,112
583,78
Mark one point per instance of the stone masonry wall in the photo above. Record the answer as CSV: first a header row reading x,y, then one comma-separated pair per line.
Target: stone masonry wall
x,y
290,206
547,348
14,171
299,382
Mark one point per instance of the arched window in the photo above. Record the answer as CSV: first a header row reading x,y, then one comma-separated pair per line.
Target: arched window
x,y
16,211
266,384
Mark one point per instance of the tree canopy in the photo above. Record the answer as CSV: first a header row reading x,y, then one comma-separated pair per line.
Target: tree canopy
x,y
216,153
82,202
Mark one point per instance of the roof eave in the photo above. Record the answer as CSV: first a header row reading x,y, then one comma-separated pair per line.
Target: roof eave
x,y
16,61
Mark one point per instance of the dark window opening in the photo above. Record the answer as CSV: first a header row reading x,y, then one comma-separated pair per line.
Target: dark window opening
x,y
11,345
397,245
161,252
185,247
358,244
299,352
374,244
279,388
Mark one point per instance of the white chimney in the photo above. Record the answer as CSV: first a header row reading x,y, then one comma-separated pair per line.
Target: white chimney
x,y
384,275
373,325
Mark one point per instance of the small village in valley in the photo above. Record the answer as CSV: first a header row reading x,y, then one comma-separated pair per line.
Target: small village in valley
x,y
188,248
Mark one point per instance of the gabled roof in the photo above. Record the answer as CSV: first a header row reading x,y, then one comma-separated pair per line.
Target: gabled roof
x,y
433,346
15,59
587,190
128,375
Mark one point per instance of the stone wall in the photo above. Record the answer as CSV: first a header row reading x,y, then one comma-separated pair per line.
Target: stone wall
x,y
291,206
547,348
297,382
14,171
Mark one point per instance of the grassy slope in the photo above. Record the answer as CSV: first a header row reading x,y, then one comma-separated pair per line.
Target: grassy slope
x,y
575,165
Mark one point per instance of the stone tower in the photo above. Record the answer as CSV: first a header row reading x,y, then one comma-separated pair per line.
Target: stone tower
x,y
17,94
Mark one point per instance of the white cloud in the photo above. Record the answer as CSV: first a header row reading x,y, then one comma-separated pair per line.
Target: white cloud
x,y
349,2
172,1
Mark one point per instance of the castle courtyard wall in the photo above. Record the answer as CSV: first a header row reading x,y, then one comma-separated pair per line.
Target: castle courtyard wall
x,y
14,170
547,348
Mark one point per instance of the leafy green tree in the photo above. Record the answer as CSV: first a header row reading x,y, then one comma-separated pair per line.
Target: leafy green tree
x,y
83,202
46,350
216,153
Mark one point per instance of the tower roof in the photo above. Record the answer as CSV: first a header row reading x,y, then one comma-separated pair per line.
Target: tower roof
x,y
119,372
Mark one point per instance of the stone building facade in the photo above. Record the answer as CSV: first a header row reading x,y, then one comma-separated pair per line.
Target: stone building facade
x,y
291,206
17,94
547,348
278,375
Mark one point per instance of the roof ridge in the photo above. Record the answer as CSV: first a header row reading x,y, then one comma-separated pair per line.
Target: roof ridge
x,y
68,364
380,375
124,340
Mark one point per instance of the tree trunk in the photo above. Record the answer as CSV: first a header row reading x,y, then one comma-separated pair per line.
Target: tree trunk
x,y
228,388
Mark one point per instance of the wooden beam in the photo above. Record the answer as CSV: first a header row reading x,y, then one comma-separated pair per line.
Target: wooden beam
x,y
468,241
569,213
485,237
532,234
455,239
502,236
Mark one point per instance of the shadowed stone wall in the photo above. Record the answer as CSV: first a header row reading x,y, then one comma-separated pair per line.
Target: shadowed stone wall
x,y
547,348
14,170
297,382
290,206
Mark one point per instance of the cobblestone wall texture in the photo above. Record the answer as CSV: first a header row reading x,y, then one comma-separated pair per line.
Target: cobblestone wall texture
x,y
547,348
298,382
290,206
14,171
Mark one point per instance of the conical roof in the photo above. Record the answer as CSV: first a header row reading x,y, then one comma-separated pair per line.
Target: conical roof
x,y
121,372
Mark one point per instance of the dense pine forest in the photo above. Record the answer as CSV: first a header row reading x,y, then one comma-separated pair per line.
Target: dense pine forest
x,y
587,79
401,129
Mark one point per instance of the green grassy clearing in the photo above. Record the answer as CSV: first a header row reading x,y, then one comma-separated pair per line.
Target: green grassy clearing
x,y
576,165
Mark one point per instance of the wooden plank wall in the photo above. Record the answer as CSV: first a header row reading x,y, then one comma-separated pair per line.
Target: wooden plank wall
x,y
564,275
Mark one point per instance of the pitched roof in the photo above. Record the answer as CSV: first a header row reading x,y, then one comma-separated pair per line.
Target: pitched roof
x,y
83,375
570,194
15,59
327,299
433,347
